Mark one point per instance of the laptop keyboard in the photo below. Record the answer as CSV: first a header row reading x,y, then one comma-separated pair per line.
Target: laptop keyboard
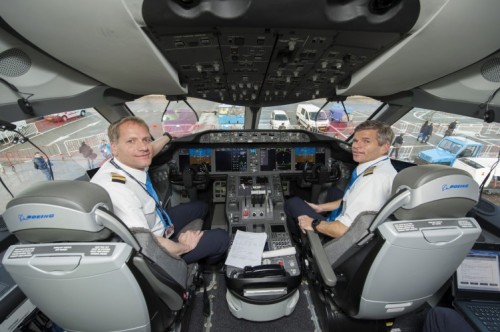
x,y
488,315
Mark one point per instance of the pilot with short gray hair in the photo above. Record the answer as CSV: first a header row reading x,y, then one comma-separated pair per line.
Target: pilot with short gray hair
x,y
368,190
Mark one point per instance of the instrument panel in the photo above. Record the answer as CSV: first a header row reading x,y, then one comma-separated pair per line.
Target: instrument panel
x,y
245,159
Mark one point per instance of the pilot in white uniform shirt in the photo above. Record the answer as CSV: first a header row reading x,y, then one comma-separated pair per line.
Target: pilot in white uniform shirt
x,y
370,191
131,203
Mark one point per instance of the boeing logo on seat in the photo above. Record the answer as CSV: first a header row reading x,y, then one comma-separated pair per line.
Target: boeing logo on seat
x,y
454,186
35,216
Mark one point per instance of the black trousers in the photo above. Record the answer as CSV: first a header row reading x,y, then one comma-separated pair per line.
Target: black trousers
x,y
442,319
213,244
296,206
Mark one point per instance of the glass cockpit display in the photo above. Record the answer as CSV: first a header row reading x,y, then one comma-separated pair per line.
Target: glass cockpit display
x,y
244,159
276,159
231,159
199,158
308,156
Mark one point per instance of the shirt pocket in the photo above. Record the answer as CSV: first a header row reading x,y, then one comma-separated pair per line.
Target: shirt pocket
x,y
149,209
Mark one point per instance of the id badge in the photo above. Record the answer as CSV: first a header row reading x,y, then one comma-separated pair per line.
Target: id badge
x,y
169,231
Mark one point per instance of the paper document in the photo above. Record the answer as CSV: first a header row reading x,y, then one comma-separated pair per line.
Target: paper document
x,y
247,249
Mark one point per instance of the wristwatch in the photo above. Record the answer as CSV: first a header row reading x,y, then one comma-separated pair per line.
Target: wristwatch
x,y
168,135
315,224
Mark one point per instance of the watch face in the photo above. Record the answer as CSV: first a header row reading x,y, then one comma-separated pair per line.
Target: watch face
x,y
315,223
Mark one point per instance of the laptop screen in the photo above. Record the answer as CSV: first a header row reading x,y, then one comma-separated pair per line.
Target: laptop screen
x,y
478,277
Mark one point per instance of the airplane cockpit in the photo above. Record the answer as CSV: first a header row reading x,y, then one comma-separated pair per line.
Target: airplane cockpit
x,y
260,102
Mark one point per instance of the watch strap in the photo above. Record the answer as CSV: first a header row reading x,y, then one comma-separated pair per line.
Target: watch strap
x,y
315,224
168,135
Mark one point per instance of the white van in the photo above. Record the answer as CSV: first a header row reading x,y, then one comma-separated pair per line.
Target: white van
x,y
479,169
279,119
308,117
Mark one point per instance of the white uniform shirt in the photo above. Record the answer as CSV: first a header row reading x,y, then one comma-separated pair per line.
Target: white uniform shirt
x,y
131,202
370,191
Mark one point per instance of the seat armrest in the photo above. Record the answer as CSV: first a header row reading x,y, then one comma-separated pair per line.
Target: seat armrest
x,y
322,262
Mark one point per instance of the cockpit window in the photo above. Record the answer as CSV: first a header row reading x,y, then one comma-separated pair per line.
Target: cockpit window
x,y
335,119
59,136
180,118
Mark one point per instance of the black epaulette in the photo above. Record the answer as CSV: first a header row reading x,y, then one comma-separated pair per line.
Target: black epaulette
x,y
116,177
369,171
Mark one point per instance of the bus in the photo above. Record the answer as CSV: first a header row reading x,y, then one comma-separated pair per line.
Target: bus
x,y
210,74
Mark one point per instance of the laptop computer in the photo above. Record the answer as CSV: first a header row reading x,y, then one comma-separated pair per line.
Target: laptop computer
x,y
476,287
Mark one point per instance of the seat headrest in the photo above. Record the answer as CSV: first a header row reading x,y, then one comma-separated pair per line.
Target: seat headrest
x,y
55,211
436,191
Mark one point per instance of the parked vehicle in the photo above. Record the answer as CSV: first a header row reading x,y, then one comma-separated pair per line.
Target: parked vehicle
x,y
337,113
448,150
479,168
308,117
279,119
231,117
65,116
179,122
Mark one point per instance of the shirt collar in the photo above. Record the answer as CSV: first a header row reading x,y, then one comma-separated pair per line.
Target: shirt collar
x,y
140,175
364,166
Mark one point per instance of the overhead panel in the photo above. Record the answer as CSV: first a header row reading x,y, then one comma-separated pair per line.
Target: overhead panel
x,y
248,55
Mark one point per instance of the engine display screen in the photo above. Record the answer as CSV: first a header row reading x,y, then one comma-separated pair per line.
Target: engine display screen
x,y
276,159
231,159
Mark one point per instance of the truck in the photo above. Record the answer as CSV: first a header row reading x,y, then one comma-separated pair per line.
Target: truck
x,y
479,168
179,122
448,150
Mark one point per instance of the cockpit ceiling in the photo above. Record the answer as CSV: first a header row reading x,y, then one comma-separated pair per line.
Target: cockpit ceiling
x,y
267,67
217,60
245,52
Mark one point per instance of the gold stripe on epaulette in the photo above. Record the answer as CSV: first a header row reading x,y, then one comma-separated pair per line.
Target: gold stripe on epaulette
x,y
369,171
116,177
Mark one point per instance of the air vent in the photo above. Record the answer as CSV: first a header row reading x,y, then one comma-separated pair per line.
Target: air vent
x,y
491,70
14,62
381,7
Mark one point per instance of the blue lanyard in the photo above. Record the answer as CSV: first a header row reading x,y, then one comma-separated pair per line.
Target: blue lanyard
x,y
161,212
335,213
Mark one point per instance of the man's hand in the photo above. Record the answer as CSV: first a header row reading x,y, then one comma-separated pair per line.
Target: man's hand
x,y
190,239
315,207
305,223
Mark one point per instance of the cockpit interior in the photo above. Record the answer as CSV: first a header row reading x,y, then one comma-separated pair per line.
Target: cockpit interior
x,y
211,74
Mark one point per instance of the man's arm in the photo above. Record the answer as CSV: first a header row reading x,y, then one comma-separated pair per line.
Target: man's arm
x,y
325,207
333,229
187,242
159,144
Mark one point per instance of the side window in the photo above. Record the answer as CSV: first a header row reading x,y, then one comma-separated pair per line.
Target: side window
x,y
417,139
60,137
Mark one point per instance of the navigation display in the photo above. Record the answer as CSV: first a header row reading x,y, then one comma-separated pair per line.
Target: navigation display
x,y
276,159
231,160
195,157
309,155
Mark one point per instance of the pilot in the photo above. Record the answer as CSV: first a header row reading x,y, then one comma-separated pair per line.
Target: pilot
x,y
368,189
125,177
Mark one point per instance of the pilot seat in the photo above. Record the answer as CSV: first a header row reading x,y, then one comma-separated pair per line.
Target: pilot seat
x,y
391,262
84,269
